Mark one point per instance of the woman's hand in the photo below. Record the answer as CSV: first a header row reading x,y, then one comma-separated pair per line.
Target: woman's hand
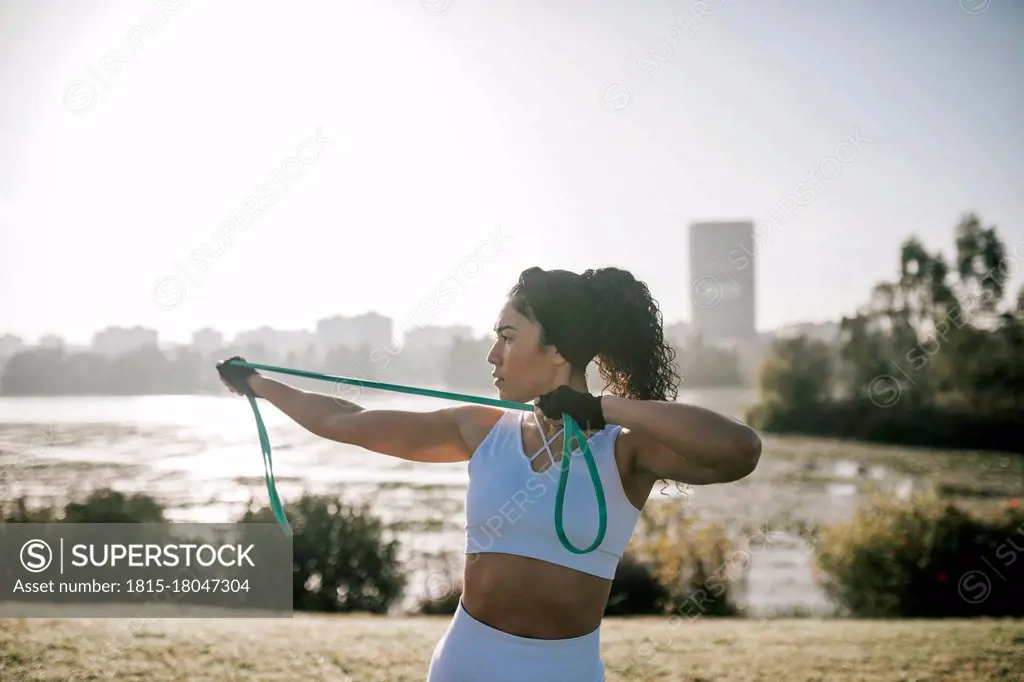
x,y
582,407
237,378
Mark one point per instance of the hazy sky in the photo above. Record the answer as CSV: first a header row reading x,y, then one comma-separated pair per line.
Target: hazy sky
x,y
483,138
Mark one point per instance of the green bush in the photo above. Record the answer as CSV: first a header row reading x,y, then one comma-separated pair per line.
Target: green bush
x,y
924,559
635,590
442,585
112,506
445,602
19,511
446,605
101,506
340,559
901,424
687,557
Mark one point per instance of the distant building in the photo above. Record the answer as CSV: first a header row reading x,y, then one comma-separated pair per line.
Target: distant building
x,y
52,342
117,340
370,329
207,341
722,283
10,345
279,343
431,337
678,333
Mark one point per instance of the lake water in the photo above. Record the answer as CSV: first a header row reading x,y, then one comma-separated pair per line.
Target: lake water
x,y
201,455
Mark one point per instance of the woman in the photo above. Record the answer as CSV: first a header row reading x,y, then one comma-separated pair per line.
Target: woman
x,y
531,609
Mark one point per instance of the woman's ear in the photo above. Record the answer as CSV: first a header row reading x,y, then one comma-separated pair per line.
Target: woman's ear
x,y
557,357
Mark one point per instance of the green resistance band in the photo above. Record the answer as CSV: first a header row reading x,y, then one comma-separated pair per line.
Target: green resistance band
x,y
571,431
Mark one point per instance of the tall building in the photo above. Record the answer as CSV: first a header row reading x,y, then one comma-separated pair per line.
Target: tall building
x,y
722,284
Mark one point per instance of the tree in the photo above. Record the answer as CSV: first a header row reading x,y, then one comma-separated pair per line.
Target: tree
x,y
980,259
796,373
340,559
705,365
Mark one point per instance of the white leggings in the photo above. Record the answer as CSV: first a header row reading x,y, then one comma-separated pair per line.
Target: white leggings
x,y
471,651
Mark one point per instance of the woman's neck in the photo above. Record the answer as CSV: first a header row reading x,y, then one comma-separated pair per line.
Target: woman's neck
x,y
577,382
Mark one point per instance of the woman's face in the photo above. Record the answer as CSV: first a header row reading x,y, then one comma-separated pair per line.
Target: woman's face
x,y
522,367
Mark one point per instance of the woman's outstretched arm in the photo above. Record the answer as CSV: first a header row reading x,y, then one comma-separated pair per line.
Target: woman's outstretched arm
x,y
312,411
429,436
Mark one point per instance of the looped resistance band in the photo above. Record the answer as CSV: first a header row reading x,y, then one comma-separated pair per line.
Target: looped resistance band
x,y
571,431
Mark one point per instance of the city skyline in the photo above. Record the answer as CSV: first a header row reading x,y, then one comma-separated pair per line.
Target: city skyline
x,y
230,337
150,176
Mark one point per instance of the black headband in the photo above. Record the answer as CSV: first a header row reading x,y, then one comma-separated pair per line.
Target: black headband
x,y
566,307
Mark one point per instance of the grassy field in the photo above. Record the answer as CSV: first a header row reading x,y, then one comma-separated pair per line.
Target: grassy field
x,y
379,649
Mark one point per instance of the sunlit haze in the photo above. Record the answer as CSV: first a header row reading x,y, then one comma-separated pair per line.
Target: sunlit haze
x,y
480,139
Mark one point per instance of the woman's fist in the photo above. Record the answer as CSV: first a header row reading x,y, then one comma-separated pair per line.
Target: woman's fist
x,y
236,378
582,407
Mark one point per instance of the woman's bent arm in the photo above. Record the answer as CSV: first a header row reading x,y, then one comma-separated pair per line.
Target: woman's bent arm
x,y
436,436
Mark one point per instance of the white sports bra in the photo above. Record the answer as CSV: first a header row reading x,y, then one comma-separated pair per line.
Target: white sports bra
x,y
510,508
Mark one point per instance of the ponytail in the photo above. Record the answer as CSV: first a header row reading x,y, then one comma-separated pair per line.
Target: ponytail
x,y
633,358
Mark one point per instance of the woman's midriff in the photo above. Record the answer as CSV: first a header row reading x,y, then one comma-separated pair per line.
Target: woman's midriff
x,y
532,598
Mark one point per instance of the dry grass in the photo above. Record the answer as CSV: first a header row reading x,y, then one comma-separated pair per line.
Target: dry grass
x,y
377,649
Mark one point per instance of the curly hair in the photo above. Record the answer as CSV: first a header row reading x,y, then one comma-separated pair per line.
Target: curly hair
x,y
605,314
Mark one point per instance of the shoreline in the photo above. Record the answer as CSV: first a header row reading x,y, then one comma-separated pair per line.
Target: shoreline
x,y
200,457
